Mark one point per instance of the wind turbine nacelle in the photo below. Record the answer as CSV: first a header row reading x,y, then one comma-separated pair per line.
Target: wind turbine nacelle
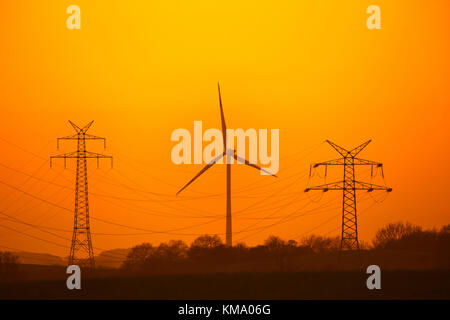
x,y
251,141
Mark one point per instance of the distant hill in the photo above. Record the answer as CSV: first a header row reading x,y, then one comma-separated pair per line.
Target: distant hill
x,y
111,258
107,259
39,258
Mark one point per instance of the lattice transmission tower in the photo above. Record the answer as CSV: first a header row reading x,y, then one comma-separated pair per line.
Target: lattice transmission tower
x,y
349,185
81,250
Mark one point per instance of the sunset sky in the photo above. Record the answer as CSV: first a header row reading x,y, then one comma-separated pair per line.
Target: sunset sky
x,y
141,69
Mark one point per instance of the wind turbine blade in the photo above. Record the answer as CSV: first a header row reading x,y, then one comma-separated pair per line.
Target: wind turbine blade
x,y
222,117
77,128
209,165
245,161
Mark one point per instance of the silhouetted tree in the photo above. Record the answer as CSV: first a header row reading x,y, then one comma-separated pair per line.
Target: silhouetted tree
x,y
318,244
441,254
241,246
292,243
165,257
208,249
394,232
274,243
445,229
9,264
139,257
280,250
207,242
364,245
173,251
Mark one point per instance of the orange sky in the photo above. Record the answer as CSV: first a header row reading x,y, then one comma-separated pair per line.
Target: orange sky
x,y
141,69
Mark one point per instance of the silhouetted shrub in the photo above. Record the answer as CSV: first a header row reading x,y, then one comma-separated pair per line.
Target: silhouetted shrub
x,y
9,264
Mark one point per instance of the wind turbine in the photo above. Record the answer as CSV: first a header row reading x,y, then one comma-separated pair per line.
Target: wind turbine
x,y
228,153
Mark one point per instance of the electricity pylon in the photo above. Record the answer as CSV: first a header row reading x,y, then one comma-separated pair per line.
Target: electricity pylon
x,y
349,185
228,154
81,250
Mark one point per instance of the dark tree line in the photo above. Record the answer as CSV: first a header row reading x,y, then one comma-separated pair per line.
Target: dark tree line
x,y
405,237
397,245
208,253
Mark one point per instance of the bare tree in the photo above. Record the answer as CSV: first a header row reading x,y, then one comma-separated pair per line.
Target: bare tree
x,y
320,244
173,251
139,256
394,232
274,243
207,242
9,263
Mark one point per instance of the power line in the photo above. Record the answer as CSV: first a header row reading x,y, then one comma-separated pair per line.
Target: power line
x,y
38,228
106,221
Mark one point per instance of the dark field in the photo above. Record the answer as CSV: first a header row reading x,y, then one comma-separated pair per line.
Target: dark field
x,y
108,284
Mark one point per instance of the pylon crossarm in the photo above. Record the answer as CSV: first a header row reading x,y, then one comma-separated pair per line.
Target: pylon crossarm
x,y
334,162
359,148
370,187
86,127
92,137
65,155
329,186
77,128
81,130
76,154
85,136
339,149
95,155
78,136
341,162
362,162
71,137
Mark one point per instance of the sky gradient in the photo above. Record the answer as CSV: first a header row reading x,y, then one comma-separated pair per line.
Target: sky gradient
x,y
141,69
